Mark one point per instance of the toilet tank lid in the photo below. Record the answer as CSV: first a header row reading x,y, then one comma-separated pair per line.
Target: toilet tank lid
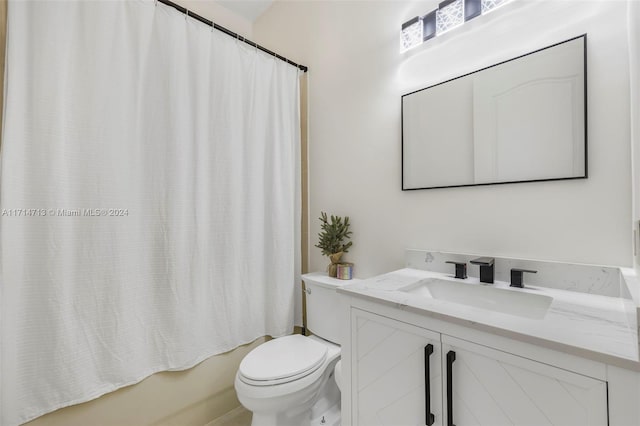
x,y
323,280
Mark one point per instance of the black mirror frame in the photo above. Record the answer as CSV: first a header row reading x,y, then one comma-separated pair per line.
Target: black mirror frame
x,y
586,153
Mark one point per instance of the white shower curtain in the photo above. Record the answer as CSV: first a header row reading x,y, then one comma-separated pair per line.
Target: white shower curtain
x,y
149,196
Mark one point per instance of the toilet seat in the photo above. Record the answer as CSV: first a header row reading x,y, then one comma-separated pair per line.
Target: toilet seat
x,y
282,360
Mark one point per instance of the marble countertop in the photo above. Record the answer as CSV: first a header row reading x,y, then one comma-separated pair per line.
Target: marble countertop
x,y
593,326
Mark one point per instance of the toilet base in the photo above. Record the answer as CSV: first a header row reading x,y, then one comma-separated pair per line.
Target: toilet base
x,y
259,419
329,418
324,412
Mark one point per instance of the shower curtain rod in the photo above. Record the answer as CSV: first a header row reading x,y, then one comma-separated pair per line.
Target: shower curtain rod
x,y
228,32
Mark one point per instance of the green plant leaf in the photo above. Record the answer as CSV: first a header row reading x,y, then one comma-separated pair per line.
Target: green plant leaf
x,y
334,235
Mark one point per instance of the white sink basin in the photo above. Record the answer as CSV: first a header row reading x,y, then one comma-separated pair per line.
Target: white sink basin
x,y
512,302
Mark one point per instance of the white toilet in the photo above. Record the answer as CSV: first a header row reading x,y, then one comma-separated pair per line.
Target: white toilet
x,y
290,381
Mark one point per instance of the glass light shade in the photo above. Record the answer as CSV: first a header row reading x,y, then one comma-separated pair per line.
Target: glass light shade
x,y
411,34
489,5
449,15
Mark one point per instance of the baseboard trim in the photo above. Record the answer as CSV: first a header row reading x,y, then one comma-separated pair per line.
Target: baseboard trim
x,y
227,416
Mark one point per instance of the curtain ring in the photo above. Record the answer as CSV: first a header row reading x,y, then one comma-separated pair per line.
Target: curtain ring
x,y
186,15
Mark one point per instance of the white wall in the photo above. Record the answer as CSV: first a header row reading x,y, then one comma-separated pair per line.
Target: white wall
x,y
356,78
634,54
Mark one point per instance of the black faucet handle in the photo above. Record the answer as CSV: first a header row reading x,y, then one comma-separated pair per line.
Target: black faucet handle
x,y
461,269
516,276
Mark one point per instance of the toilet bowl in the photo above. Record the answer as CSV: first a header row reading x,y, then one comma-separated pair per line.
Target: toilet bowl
x,y
290,381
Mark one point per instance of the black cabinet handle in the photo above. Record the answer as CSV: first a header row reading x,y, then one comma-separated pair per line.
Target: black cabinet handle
x,y
429,417
451,357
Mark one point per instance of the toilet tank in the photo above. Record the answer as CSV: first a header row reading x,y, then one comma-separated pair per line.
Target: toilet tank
x,y
323,319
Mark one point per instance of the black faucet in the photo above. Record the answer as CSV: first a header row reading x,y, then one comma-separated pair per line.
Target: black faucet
x,y
461,269
486,268
516,276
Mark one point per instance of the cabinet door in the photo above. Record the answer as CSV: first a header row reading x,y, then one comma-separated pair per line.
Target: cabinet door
x,y
493,388
389,362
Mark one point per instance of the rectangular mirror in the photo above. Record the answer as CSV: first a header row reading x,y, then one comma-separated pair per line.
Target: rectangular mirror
x,y
521,120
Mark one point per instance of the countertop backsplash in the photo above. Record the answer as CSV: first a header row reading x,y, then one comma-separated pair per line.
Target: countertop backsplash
x,y
592,279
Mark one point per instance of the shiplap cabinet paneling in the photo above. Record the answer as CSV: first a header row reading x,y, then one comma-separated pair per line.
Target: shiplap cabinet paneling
x,y
489,387
389,363
494,388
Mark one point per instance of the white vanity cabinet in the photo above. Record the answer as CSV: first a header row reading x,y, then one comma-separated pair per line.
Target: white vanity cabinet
x,y
391,361
469,384
491,387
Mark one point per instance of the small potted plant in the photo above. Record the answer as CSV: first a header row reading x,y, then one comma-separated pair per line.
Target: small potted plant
x,y
334,239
